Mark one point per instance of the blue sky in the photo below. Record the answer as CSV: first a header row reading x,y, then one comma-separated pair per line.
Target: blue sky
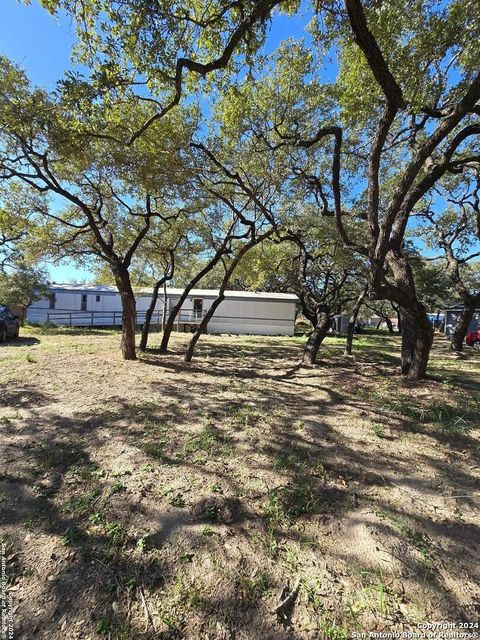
x,y
36,41
41,45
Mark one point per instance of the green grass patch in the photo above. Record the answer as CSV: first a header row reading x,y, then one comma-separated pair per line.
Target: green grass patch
x,y
210,441
81,505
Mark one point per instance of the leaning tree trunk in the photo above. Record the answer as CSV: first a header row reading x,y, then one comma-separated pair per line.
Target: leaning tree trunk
x,y
323,324
129,314
168,275
221,292
203,326
388,322
149,314
399,317
164,310
458,336
168,327
352,322
169,324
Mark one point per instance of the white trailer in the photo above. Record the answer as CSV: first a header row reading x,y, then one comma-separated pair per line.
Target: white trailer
x,y
241,312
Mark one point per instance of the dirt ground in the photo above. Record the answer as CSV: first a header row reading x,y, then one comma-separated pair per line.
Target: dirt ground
x,y
162,500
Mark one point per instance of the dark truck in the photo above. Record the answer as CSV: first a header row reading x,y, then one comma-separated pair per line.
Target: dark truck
x,y
9,324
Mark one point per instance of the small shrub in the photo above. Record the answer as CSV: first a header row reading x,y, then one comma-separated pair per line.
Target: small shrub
x,y
252,587
293,500
142,542
178,501
154,450
103,626
378,430
72,535
117,487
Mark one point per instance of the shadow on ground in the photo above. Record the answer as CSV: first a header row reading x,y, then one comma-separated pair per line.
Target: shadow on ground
x,y
20,342
186,505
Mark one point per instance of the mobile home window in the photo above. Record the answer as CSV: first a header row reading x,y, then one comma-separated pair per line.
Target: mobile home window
x,y
197,307
84,302
51,300
97,298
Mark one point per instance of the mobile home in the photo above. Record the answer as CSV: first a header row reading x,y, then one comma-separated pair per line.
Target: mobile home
x,y
241,312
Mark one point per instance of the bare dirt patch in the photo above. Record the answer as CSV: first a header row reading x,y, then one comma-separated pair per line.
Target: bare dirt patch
x,y
162,500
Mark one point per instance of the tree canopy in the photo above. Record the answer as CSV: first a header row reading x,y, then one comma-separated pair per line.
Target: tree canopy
x,y
189,120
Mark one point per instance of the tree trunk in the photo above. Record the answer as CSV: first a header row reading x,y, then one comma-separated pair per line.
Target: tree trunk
x,y
389,325
169,324
417,330
176,309
129,314
164,310
399,319
409,338
352,322
221,293
318,334
149,314
383,318
203,326
423,345
461,330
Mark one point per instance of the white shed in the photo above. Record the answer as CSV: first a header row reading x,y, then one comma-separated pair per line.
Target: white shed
x,y
241,312
341,322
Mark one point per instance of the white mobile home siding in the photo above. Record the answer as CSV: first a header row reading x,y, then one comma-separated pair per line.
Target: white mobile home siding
x,y
68,307
260,317
239,313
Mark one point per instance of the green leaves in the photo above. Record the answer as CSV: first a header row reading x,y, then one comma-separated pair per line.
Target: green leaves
x,y
22,286
145,39
162,74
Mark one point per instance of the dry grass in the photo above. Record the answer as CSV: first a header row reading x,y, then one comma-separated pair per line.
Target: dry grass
x,y
161,500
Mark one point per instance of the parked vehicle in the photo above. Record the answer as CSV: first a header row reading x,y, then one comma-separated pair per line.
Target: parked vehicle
x,y
473,339
9,324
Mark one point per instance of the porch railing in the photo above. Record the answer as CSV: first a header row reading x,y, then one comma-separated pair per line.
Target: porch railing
x,y
111,318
